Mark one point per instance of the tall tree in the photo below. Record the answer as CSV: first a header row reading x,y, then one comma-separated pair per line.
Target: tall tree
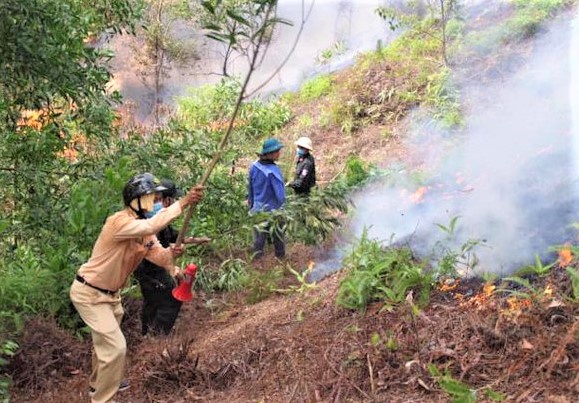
x,y
52,87
161,46
440,12
44,53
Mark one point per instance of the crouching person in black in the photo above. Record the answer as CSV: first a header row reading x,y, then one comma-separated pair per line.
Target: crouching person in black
x,y
160,308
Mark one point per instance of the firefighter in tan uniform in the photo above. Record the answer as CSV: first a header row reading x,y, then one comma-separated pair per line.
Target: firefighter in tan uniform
x,y
126,238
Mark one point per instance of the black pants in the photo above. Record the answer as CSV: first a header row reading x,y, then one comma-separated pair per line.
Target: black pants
x,y
160,308
276,237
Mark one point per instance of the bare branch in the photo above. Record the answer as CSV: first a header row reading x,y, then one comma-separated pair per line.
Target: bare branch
x,y
305,17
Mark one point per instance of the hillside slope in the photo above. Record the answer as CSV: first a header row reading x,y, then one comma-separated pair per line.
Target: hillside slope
x,y
303,348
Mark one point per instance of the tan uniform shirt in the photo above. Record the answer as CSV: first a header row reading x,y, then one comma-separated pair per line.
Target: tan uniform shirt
x,y
123,242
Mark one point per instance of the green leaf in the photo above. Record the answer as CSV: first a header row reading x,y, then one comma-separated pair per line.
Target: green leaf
x,y
212,27
495,396
208,5
282,21
218,37
574,276
235,16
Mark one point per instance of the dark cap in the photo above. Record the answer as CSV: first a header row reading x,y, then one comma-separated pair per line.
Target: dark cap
x,y
172,190
270,146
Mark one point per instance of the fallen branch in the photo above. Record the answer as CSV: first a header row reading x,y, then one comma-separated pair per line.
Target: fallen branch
x,y
371,372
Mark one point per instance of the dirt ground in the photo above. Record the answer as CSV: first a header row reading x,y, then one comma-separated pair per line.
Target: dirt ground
x,y
302,347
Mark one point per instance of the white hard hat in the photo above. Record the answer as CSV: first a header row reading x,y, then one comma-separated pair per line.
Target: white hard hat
x,y
305,142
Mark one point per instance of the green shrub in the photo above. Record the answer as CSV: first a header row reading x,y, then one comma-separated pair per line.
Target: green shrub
x,y
316,88
357,172
381,274
207,110
262,285
232,275
7,349
526,21
313,220
443,98
574,277
449,259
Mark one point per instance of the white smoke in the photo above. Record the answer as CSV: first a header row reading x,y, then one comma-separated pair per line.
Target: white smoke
x,y
511,174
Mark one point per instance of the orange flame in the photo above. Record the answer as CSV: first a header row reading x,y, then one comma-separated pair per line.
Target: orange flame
x,y
77,143
311,265
448,285
565,256
479,301
37,118
488,289
418,196
516,306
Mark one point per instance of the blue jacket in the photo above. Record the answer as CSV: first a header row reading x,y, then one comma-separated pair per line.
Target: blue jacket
x,y
266,188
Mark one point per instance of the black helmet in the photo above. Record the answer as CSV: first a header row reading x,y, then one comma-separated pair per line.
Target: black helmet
x,y
140,185
172,190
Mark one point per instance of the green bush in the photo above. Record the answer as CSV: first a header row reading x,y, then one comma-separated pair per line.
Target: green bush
x,y
7,349
357,172
316,88
232,275
526,21
308,220
381,274
530,16
262,285
207,110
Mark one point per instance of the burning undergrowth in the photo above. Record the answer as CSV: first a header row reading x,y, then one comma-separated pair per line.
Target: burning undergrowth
x,y
517,347
508,173
508,222
474,338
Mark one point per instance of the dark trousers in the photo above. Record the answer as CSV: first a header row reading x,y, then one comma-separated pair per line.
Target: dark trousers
x,y
160,308
261,236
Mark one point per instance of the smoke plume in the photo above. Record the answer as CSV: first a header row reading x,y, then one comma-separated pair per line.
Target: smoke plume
x,y
510,175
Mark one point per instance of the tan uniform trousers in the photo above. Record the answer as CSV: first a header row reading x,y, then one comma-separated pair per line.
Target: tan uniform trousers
x,y
103,314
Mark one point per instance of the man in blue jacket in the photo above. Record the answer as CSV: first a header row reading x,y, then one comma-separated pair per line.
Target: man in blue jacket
x,y
266,192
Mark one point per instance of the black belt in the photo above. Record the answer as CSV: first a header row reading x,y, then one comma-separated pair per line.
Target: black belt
x,y
81,279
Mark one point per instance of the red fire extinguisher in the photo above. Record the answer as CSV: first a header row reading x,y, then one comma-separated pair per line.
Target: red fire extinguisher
x,y
184,291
